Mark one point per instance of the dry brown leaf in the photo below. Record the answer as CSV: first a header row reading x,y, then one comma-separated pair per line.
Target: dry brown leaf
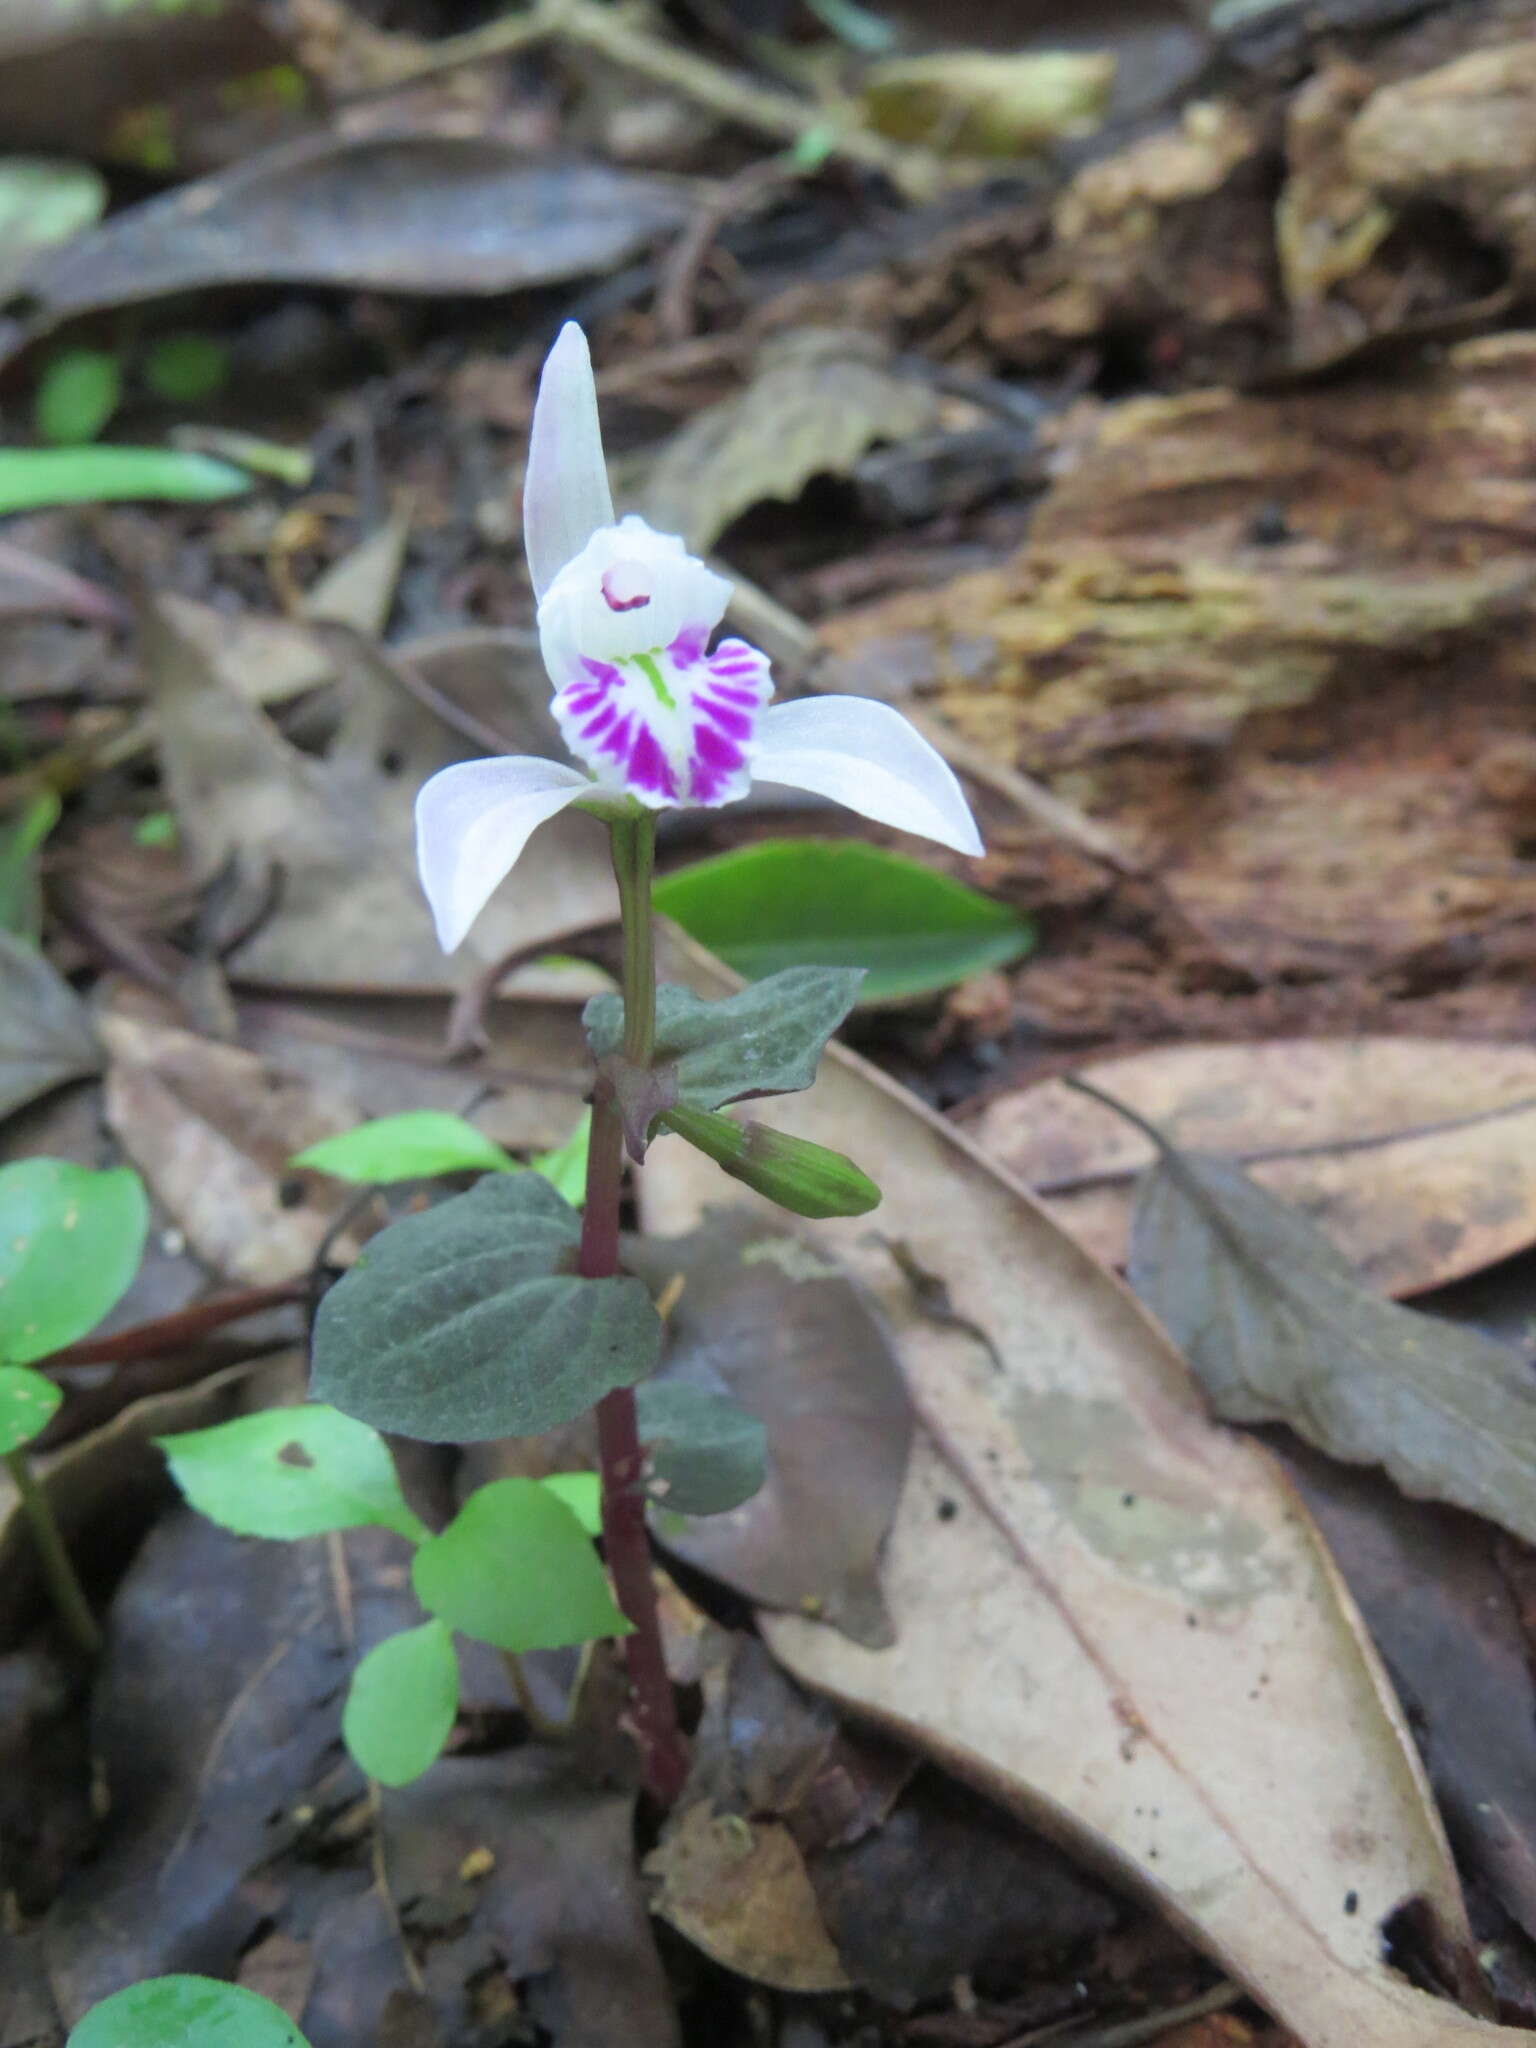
x,y
1110,1611
766,1320
212,1129
818,399
1278,1328
739,1890
338,831
989,102
1416,1155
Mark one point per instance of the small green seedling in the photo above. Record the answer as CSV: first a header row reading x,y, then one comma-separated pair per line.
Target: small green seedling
x,y
515,1568
70,1243
420,1144
186,2012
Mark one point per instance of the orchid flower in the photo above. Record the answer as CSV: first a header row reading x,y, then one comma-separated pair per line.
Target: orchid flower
x,y
654,715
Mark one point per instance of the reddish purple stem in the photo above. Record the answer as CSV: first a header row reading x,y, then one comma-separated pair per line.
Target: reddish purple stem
x,y
652,1708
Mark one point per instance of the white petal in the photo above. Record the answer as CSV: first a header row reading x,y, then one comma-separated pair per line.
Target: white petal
x,y
473,821
565,493
630,591
866,755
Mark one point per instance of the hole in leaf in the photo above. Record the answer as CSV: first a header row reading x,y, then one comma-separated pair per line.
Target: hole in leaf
x,y
295,1454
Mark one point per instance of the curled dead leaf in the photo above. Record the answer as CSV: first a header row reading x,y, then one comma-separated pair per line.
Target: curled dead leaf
x,y
1417,1156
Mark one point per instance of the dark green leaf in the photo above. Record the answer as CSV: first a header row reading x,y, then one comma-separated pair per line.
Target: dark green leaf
x,y
468,1321
45,1034
187,369
402,1703
185,2012
77,394
291,1472
34,478
706,1454
1279,1329
764,1040
807,1179
70,1242
28,1403
842,903
515,1568
21,907
416,1145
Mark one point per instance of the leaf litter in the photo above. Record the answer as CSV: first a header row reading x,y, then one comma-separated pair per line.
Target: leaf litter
x,y
1166,1644
1289,681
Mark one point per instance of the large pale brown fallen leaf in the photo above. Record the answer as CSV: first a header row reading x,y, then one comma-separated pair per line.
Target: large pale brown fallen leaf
x,y
1111,1612
212,1128
1416,1155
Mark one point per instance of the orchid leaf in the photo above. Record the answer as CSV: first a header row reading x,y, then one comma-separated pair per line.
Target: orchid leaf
x,y
706,1455
840,902
468,1321
764,1040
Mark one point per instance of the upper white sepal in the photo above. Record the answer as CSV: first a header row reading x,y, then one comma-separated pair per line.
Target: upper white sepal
x,y
565,491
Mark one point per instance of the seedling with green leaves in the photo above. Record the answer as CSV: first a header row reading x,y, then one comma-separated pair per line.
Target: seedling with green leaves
x,y
70,1243
515,1568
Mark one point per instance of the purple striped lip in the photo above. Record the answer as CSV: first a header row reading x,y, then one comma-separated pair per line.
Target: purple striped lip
x,y
672,726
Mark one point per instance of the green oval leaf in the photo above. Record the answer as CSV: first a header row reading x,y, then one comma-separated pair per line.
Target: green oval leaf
x,y
417,1145
706,1455
33,478
70,1242
186,2012
28,1403
468,1321
401,1706
841,903
186,369
515,1568
77,394
291,1472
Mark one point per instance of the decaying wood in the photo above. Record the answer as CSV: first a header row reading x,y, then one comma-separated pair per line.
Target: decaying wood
x,y
1284,647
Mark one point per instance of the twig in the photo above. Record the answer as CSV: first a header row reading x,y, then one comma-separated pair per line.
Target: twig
x,y
169,1333
1132,2033
678,272
765,110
